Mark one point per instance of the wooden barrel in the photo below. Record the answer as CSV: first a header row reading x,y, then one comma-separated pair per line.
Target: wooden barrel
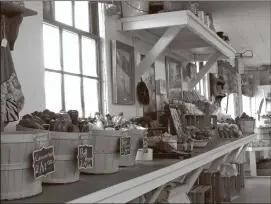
x,y
65,147
17,175
105,145
136,137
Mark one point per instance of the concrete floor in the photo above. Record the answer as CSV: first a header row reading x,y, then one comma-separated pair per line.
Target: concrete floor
x,y
257,190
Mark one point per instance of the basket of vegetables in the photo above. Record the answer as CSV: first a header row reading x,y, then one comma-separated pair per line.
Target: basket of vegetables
x,y
246,123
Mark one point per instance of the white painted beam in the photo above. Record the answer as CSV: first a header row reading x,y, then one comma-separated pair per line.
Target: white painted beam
x,y
204,70
147,36
157,50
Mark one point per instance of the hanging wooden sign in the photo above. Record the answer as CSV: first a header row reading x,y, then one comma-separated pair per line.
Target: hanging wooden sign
x,y
43,162
125,146
85,156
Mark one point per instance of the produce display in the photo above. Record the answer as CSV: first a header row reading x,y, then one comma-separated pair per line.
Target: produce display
x,y
70,121
226,130
244,116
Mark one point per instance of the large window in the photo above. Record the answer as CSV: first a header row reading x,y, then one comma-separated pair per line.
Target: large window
x,y
202,87
72,78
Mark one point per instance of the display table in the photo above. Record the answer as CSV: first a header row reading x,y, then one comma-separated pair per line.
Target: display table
x,y
132,182
252,156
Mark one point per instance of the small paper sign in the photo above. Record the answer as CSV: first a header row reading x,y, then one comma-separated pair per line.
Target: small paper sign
x,y
125,146
85,156
145,145
43,162
4,42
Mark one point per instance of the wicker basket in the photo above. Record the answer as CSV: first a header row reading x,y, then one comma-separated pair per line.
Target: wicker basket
x,y
246,126
129,160
65,147
17,179
105,145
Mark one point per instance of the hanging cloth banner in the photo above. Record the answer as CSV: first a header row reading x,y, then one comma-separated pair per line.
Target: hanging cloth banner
x,y
248,85
229,74
12,99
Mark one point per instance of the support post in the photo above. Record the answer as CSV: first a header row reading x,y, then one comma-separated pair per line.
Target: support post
x,y
252,161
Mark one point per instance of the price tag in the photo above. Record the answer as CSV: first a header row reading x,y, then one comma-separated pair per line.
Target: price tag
x,y
4,42
145,145
85,156
125,146
43,162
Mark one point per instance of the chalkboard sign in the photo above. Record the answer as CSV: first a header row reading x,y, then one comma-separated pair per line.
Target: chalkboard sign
x,y
125,146
177,121
43,162
145,145
85,156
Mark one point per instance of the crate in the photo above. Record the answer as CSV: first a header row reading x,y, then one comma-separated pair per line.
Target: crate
x,y
212,178
246,126
228,185
201,194
17,179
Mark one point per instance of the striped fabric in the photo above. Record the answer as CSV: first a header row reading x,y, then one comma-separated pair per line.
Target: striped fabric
x,y
11,110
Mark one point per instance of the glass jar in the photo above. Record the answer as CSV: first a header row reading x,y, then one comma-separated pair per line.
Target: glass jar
x,y
193,7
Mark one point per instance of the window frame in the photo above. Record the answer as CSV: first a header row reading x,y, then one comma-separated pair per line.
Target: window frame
x,y
93,27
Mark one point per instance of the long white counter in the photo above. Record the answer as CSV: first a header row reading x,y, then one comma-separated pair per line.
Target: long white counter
x,y
130,182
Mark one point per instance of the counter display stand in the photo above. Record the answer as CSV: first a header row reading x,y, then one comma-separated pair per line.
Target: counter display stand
x,y
261,144
133,182
17,178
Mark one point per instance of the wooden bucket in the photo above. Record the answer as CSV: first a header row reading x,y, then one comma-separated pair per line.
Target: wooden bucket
x,y
105,145
65,147
17,177
129,160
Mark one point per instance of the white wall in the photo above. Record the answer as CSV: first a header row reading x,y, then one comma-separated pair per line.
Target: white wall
x,y
111,33
28,61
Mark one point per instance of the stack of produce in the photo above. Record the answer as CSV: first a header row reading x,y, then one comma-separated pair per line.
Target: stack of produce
x,y
246,123
191,109
70,122
228,131
265,121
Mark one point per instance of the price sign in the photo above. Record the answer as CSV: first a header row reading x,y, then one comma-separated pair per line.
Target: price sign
x,y
145,145
43,162
125,146
85,156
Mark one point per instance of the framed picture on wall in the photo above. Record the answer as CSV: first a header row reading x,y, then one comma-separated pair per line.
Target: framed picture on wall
x,y
123,74
174,78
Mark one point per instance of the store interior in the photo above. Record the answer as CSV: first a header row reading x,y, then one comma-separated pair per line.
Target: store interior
x,y
135,102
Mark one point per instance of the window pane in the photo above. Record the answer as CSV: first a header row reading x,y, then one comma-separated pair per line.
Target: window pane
x,y
89,57
91,96
53,91
81,15
72,93
63,12
70,52
51,47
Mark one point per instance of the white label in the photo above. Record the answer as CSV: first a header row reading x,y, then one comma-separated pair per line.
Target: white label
x,y
4,43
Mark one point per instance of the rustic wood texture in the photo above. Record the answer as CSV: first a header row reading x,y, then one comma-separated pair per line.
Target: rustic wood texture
x,y
66,170
17,179
129,160
105,155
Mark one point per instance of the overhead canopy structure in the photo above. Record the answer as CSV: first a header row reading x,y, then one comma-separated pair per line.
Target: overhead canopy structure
x,y
182,33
